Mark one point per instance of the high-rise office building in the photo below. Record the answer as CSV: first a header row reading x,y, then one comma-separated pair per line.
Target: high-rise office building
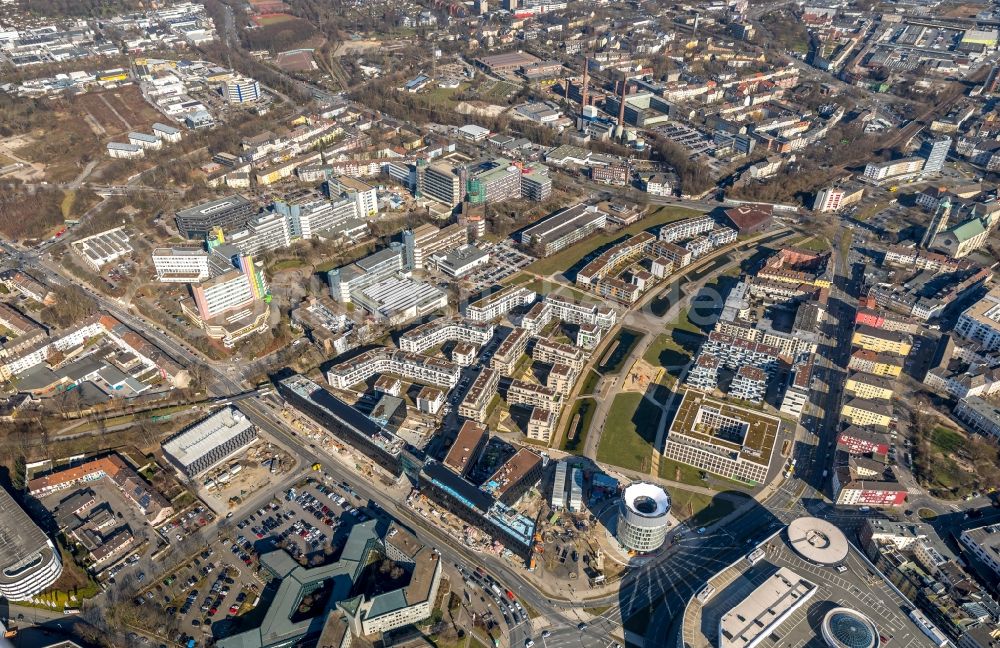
x,y
230,213
439,182
240,90
935,152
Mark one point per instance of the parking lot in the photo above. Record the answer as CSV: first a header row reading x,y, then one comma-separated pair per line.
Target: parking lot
x,y
504,261
213,591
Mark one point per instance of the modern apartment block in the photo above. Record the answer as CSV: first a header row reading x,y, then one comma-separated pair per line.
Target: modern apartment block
x,y
749,384
552,352
704,375
441,330
561,378
510,351
565,227
615,257
686,229
733,352
499,303
514,477
230,213
479,396
541,423
569,311
411,366
791,344
525,393
467,448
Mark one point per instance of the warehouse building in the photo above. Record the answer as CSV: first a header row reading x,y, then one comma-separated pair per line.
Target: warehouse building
x,y
98,250
210,442
565,227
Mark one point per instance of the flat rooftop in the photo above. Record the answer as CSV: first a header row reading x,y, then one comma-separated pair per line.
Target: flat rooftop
x,y
765,609
466,444
853,588
201,438
512,472
20,540
750,433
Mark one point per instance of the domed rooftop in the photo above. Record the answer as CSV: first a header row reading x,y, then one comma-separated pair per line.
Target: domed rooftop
x,y
847,628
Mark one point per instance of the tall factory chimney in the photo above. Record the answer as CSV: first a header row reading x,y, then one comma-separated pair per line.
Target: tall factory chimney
x,y
583,96
566,89
620,129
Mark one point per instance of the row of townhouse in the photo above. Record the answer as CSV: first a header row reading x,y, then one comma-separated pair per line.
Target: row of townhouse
x,y
685,229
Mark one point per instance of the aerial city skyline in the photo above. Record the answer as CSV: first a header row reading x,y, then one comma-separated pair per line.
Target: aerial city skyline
x,y
568,324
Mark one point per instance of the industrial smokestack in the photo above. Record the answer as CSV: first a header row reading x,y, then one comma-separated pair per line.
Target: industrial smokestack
x,y
583,96
566,89
621,105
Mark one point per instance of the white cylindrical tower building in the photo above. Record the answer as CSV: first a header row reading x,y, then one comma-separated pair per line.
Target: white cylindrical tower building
x,y
643,517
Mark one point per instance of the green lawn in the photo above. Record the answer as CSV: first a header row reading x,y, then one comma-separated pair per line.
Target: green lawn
x,y
442,97
287,264
585,409
564,259
678,472
947,441
815,244
629,433
665,352
684,323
